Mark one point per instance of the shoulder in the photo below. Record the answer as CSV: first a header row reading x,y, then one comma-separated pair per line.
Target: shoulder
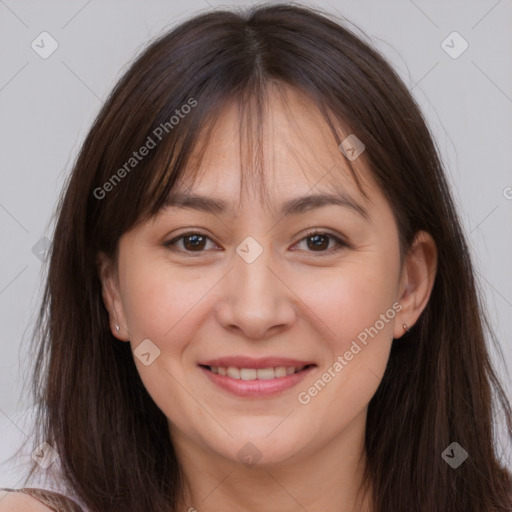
x,y
11,501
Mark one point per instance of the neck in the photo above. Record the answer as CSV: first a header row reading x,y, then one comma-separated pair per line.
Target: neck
x,y
325,480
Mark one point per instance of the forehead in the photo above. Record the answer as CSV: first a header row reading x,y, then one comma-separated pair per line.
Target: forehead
x,y
279,149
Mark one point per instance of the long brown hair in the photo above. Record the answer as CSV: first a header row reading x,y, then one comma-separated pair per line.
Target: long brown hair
x,y
439,385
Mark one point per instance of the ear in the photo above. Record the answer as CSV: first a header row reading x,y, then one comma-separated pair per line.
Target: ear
x,y
417,280
112,297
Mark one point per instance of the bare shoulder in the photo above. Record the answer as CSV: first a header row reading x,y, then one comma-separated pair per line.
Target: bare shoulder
x,y
20,502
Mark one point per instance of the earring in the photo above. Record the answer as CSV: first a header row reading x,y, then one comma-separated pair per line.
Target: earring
x,y
406,329
117,328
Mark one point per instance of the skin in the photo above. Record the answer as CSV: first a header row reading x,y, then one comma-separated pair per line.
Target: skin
x,y
19,502
290,302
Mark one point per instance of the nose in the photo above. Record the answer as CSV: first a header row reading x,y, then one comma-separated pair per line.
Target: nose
x,y
256,300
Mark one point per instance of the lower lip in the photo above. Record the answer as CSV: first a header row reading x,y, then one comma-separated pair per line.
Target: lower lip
x,y
256,388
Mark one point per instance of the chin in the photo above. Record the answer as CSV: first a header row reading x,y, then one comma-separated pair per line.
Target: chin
x,y
259,448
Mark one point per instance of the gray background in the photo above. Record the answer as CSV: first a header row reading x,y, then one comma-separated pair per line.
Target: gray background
x,y
47,106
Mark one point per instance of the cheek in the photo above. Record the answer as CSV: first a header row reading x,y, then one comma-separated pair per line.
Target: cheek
x,y
352,299
358,304
158,299
161,304
358,346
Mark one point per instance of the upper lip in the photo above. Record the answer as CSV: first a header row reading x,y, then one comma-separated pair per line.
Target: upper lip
x,y
258,363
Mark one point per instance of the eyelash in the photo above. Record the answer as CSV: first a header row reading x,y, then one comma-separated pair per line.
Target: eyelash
x,y
340,243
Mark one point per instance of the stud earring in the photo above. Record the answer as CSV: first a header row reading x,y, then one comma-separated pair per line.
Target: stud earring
x,y
117,328
406,329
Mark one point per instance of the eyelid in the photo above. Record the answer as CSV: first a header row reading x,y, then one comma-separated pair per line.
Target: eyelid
x,y
172,243
339,239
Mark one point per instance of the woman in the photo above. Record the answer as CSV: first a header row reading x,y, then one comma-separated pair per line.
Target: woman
x,y
316,343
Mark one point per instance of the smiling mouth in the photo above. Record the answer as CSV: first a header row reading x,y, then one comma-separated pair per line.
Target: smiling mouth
x,y
269,373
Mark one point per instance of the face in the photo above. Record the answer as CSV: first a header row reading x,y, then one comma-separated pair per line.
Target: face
x,y
246,325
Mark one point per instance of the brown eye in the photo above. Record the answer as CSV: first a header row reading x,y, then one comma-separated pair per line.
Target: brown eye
x,y
317,241
192,242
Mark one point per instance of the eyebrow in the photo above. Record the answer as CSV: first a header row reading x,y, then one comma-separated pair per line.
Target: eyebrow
x,y
294,206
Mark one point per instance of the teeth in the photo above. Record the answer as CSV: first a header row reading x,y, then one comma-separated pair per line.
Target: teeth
x,y
233,372
248,373
267,373
280,371
255,374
